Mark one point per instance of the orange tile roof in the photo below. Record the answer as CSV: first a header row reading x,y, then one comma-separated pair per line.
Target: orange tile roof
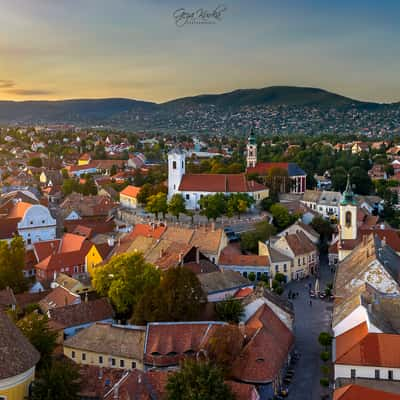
x,y
19,209
300,243
242,293
358,347
44,249
244,260
147,230
130,191
71,242
58,297
357,392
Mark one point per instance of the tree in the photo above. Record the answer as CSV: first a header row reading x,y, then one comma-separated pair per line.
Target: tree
x,y
179,297
35,162
113,170
213,206
238,203
339,179
360,179
263,230
59,381
177,205
124,280
157,204
282,218
35,327
12,261
230,310
198,381
224,346
325,339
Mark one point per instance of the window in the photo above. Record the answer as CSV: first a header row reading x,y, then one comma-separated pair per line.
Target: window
x,y
352,373
133,365
182,164
187,197
72,354
377,374
174,164
29,241
304,260
43,221
113,362
122,363
348,219
298,261
83,356
100,359
284,268
276,268
245,274
390,375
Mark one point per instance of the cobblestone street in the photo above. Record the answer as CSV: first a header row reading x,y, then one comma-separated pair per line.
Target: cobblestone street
x,y
310,320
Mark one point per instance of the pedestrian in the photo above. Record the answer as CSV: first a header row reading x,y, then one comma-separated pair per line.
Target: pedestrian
x,y
310,303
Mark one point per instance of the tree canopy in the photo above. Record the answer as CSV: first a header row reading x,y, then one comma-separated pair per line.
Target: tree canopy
x,y
177,205
198,381
263,230
213,206
230,310
157,204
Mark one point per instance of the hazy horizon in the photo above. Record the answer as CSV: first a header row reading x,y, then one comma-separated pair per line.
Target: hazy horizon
x,y
133,49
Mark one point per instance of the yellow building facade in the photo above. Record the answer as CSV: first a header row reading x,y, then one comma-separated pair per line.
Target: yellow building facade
x,y
93,258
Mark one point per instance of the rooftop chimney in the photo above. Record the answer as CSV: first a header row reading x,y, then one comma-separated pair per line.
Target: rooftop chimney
x,y
384,241
197,255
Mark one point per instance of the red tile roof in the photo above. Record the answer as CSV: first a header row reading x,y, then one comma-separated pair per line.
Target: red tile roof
x,y
357,392
358,347
8,227
244,292
58,297
147,230
71,242
19,209
45,249
263,168
243,260
300,243
266,353
131,191
223,183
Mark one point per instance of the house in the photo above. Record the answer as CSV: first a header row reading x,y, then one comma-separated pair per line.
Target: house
x,y
359,147
358,392
220,285
97,254
195,186
301,250
69,320
233,260
328,204
84,159
58,297
280,263
108,345
377,172
310,199
51,178
128,197
299,226
33,222
73,285
19,359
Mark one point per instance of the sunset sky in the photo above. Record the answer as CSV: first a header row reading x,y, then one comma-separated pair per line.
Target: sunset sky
x,y
57,49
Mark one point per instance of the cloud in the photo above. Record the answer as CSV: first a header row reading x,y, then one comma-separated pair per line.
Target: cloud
x,y
30,92
6,83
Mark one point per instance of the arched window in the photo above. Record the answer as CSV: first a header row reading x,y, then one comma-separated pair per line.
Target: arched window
x,y
348,218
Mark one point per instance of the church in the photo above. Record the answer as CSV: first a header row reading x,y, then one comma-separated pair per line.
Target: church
x,y
194,186
295,174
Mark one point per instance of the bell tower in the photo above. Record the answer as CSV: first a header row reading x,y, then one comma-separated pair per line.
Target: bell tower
x,y
176,170
251,159
348,214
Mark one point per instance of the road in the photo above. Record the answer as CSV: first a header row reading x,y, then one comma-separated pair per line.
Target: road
x,y
310,321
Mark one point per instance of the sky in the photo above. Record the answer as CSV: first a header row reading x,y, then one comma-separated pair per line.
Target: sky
x,y
60,49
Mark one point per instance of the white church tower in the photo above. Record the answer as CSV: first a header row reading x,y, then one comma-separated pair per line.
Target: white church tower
x,y
251,151
176,170
348,214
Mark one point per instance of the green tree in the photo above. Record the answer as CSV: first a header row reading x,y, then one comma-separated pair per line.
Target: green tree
x,y
113,170
361,180
59,381
252,276
282,218
213,206
198,381
263,230
12,262
35,162
339,179
124,280
35,327
177,205
239,203
325,339
157,204
230,310
179,297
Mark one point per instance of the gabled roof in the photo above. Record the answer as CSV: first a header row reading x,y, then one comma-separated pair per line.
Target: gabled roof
x,y
357,392
82,313
221,281
130,191
154,231
299,243
17,355
358,347
19,209
265,354
58,297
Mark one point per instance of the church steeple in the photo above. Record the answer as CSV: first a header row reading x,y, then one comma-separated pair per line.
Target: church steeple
x,y
251,150
348,195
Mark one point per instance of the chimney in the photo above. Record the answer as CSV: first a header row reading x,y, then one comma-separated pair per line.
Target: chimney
x,y
110,242
86,297
100,373
213,226
181,258
197,255
384,241
162,253
242,328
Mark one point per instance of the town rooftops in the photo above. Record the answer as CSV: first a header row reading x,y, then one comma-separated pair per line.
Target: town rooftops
x,y
222,281
219,183
311,196
243,260
82,313
130,191
358,347
17,355
58,297
263,168
117,340
299,243
357,392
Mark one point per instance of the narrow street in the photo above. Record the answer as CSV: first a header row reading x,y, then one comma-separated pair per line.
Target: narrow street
x,y
310,321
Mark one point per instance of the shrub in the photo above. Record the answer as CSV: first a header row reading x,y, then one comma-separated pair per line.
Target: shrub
x,y
252,276
325,356
325,370
324,382
279,290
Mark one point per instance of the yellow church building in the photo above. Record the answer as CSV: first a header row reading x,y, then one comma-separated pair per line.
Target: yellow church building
x,y
18,359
